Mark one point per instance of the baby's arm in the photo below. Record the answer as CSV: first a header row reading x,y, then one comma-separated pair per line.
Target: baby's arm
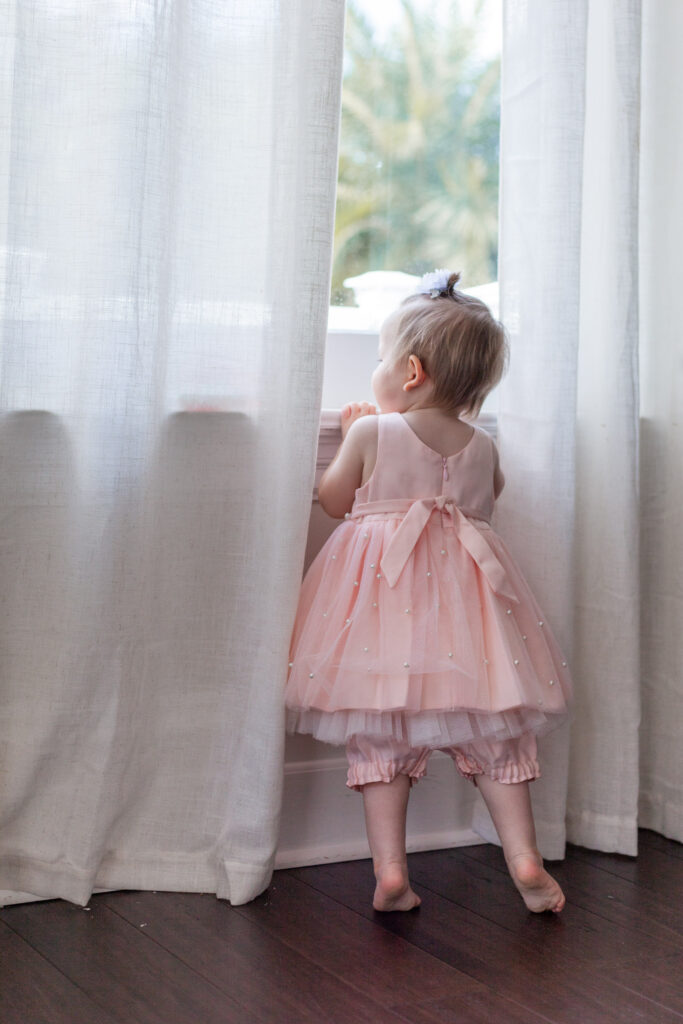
x,y
337,487
498,478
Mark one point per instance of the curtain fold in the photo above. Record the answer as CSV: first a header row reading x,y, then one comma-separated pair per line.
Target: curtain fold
x,y
168,177
602,809
542,115
586,240
661,401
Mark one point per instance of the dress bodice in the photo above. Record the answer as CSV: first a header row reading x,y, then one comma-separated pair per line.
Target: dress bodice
x,y
406,467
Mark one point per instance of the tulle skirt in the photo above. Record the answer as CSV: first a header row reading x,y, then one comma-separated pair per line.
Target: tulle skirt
x,y
443,656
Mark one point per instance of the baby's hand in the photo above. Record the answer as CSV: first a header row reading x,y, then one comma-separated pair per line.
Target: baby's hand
x,y
352,412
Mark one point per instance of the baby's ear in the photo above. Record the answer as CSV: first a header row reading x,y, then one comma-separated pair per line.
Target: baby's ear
x,y
415,374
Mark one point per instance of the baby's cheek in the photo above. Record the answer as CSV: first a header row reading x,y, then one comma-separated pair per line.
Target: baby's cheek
x,y
377,384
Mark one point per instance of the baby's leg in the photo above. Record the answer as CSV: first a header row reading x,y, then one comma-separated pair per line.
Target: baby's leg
x,y
509,805
385,805
384,770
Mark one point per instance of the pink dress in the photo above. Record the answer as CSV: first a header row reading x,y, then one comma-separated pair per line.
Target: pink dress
x,y
415,624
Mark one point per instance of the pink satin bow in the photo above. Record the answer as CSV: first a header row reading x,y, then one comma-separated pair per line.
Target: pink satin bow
x,y
416,518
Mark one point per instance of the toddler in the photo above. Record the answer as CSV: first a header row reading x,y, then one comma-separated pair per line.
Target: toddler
x,y
415,629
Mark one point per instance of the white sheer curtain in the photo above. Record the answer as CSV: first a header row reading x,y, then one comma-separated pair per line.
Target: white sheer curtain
x,y
167,177
661,402
573,263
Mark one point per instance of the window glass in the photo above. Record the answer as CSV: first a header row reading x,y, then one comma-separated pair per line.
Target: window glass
x,y
418,162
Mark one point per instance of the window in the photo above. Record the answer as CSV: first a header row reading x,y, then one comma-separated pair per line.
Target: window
x,y
418,167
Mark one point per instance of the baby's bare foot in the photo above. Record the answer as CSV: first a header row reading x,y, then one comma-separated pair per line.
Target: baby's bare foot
x,y
539,890
393,890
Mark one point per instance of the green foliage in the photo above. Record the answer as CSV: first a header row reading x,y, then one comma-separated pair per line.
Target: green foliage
x,y
418,162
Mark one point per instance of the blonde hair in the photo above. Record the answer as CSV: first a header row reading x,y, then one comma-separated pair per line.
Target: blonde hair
x,y
462,348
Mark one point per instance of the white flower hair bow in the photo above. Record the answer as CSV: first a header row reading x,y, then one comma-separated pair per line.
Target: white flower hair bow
x,y
434,283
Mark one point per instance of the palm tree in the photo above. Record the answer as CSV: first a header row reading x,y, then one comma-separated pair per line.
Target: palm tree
x,y
418,164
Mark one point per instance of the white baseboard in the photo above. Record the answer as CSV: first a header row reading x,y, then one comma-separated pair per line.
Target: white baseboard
x,y
357,849
322,819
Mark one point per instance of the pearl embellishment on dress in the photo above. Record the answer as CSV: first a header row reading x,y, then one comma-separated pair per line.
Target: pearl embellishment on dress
x,y
442,626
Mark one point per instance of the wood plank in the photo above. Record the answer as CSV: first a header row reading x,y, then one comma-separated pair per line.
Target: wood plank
x,y
605,895
311,950
481,1006
34,991
652,870
532,974
661,978
489,892
642,974
670,846
254,967
405,977
119,968
382,966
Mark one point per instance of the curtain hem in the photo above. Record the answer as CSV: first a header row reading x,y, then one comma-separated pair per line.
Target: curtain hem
x,y
26,880
608,833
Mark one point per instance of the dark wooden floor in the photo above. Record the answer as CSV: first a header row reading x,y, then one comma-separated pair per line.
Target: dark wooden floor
x,y
311,950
